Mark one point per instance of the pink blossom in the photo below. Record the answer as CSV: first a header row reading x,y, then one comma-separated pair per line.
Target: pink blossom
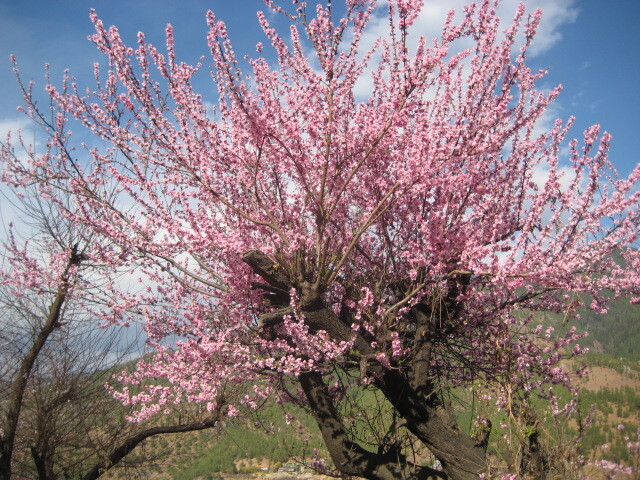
x,y
406,227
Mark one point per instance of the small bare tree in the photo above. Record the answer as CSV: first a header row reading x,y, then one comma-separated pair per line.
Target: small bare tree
x,y
56,418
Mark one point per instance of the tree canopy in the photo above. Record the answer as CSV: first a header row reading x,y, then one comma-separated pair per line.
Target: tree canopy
x,y
304,241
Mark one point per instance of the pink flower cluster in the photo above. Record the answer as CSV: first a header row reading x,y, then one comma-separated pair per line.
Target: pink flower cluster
x,y
425,195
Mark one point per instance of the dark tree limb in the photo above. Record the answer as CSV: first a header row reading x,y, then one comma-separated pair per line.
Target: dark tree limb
x,y
268,269
19,383
349,457
42,463
273,318
126,447
462,457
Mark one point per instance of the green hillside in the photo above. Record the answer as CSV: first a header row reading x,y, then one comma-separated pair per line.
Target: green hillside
x,y
616,333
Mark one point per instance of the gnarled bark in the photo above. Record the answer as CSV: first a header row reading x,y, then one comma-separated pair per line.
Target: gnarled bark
x,y
462,456
409,390
349,457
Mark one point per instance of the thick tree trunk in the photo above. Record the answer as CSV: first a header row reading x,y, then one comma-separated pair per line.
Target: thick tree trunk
x,y
350,458
462,456
410,392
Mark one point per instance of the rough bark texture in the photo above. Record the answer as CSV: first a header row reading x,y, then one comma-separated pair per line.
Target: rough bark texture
x,y
43,462
462,457
534,463
349,457
409,390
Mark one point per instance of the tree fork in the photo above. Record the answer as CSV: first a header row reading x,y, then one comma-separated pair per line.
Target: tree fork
x,y
349,457
463,457
7,439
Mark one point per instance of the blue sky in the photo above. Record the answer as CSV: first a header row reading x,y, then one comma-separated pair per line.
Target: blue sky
x,y
592,47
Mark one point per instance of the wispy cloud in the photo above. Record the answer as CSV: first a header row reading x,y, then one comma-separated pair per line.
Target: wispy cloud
x,y
555,14
13,125
585,65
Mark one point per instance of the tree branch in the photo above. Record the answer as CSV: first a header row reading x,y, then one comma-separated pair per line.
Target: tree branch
x,y
268,269
349,457
126,447
19,383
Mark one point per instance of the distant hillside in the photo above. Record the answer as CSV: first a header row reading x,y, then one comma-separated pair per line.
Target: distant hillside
x,y
240,449
616,333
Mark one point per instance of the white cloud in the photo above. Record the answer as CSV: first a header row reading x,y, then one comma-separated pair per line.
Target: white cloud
x,y
585,65
13,125
555,14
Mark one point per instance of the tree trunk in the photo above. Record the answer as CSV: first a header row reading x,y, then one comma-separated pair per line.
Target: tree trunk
x,y
462,457
349,457
19,383
43,462
534,463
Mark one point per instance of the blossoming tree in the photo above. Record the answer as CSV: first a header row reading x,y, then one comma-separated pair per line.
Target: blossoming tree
x,y
310,242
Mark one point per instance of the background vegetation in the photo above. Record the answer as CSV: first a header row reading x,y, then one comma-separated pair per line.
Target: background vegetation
x,y
609,397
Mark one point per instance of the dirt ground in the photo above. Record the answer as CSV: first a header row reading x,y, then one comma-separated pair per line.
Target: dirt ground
x,y
601,377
